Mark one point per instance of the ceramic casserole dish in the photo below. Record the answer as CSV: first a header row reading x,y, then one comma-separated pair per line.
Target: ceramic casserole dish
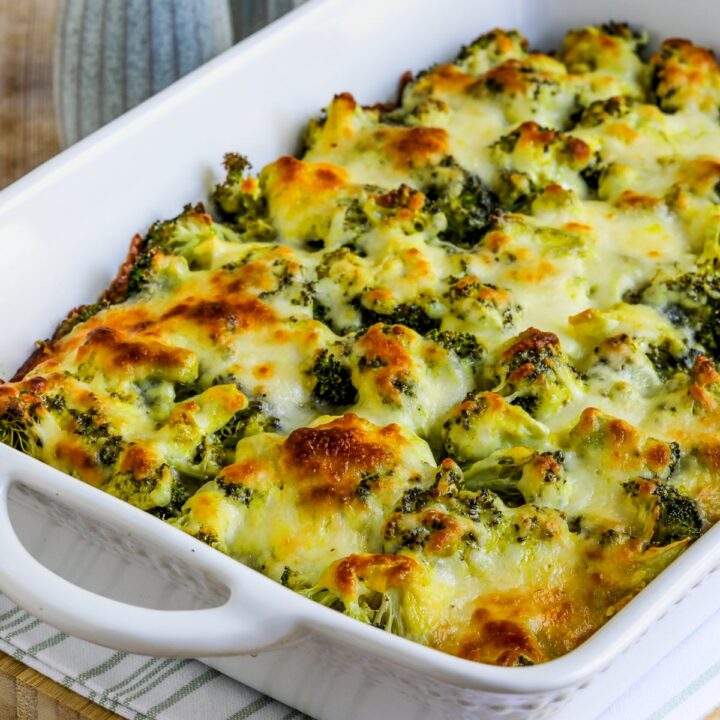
x,y
141,585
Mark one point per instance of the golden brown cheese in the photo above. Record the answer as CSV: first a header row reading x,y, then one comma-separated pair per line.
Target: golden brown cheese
x,y
350,136
402,377
452,371
303,501
685,76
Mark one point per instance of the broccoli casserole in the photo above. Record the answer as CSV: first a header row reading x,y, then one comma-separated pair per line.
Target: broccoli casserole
x,y
451,370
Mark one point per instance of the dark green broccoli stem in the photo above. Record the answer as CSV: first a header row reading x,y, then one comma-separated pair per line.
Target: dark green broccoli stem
x,y
333,385
678,517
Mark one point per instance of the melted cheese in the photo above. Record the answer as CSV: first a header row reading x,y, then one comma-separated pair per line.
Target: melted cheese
x,y
452,371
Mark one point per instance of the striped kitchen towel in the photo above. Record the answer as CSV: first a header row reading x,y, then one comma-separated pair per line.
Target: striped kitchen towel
x,y
683,686
132,686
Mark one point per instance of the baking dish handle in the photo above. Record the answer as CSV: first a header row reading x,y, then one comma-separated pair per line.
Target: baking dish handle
x,y
244,624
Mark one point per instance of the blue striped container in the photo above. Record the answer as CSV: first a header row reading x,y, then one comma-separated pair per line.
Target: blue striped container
x,y
251,15
112,54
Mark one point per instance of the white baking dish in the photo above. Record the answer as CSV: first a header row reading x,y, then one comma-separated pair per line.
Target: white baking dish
x,y
63,231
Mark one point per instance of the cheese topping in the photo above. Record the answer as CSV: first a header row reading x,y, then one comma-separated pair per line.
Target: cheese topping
x,y
451,371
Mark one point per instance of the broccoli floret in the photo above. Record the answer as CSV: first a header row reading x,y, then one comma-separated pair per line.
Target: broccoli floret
x,y
411,315
89,424
484,423
685,76
623,451
625,32
369,588
208,538
140,273
95,430
401,207
382,610
252,420
666,362
78,316
468,206
413,500
464,345
519,475
229,195
517,190
15,431
490,49
54,403
178,497
692,301
535,371
611,47
241,201
602,111
236,490
156,489
678,517
355,220
532,157
500,472
333,385
179,236
593,173
482,308
110,450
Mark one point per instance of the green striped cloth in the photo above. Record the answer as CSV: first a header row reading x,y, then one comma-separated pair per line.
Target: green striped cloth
x,y
685,685
133,686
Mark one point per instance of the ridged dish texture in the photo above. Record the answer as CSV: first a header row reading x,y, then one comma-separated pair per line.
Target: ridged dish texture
x,y
450,370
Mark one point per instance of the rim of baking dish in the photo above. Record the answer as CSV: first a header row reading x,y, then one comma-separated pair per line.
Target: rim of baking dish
x,y
573,669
